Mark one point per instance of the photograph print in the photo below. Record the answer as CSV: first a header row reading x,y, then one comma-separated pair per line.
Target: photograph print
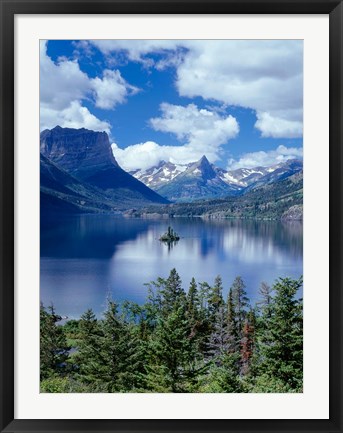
x,y
171,207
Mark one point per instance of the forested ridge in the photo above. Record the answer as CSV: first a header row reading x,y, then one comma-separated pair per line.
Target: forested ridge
x,y
271,201
180,341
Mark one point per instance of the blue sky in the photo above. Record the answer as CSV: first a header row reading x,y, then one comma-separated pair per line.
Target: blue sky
x,y
237,102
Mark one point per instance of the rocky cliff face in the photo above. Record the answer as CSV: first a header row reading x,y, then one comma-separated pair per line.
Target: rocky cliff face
x,y
87,156
78,151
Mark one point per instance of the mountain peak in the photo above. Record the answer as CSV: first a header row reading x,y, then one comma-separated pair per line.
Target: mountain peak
x,y
202,168
87,156
77,151
204,160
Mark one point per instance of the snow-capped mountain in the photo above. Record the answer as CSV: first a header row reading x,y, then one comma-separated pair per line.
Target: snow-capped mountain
x,y
187,182
243,177
159,175
201,179
276,173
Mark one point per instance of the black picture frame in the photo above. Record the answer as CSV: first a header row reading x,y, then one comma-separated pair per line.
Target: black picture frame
x,y
8,9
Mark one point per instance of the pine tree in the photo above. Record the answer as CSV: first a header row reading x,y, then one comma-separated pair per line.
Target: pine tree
x,y
282,343
215,297
225,376
89,358
113,350
222,357
248,342
265,301
193,302
53,344
172,293
221,340
231,317
204,295
174,361
240,304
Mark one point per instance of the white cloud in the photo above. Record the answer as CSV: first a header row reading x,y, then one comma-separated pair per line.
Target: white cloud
x,y
201,128
111,90
148,154
264,159
60,83
63,88
73,116
203,132
265,75
136,49
278,128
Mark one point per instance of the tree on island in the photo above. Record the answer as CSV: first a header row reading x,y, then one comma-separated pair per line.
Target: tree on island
x,y
170,236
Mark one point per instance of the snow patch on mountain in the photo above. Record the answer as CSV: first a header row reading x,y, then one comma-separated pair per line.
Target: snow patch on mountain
x,y
218,180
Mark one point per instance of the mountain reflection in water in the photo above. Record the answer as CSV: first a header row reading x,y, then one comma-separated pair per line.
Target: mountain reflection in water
x,y
85,259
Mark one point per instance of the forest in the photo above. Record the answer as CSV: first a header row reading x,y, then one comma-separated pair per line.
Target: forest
x,y
272,201
180,341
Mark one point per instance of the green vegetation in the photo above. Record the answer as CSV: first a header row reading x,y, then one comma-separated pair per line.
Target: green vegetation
x,y
170,236
271,201
178,341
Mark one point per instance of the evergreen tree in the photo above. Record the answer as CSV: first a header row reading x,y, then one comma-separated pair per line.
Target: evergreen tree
x,y
180,343
193,302
204,295
282,343
89,357
265,300
248,342
240,303
224,377
174,361
221,340
231,317
117,351
215,297
172,293
53,344
224,356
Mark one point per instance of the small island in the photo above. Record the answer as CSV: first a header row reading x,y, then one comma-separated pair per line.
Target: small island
x,y
169,236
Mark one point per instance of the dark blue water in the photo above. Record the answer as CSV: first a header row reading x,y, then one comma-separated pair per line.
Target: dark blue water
x,y
86,259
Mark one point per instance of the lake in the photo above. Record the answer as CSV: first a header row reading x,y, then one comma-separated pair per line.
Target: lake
x,y
86,259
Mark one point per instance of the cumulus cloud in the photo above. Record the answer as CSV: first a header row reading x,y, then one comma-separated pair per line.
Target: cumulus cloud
x,y
265,75
264,159
277,127
64,87
73,116
111,90
202,131
148,154
137,49
60,83
201,128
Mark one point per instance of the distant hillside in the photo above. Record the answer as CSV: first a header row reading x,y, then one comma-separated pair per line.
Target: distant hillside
x,y
203,180
82,163
62,193
270,201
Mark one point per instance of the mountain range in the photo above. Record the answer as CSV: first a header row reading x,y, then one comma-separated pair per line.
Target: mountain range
x,y
282,199
201,179
80,173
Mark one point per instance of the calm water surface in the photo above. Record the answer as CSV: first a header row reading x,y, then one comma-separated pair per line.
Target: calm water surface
x,y
86,259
